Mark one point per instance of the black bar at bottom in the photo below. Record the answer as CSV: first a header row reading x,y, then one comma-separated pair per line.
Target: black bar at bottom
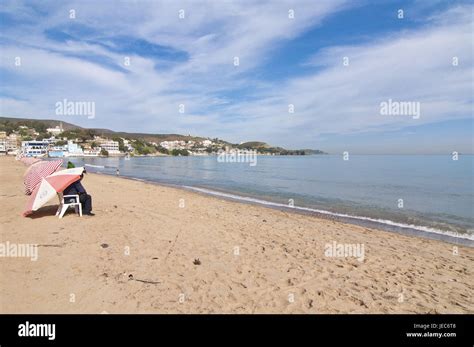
x,y
442,330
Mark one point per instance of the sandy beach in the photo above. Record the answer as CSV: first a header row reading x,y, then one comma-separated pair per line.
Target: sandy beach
x,y
156,249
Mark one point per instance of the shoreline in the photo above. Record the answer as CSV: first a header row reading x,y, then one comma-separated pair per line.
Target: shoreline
x,y
144,253
382,225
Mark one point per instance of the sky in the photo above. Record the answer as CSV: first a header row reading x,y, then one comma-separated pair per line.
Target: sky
x,y
296,74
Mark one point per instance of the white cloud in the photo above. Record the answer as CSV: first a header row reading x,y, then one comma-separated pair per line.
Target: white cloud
x,y
411,66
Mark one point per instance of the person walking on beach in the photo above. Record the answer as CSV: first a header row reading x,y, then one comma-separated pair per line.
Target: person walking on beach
x,y
77,188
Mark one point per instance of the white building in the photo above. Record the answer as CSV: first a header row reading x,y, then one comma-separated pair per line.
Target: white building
x,y
8,144
74,149
71,149
56,130
165,144
12,143
3,145
110,146
34,148
91,152
52,140
127,145
170,145
3,142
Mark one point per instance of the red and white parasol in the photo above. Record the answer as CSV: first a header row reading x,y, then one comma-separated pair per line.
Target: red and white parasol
x,y
29,160
50,186
37,171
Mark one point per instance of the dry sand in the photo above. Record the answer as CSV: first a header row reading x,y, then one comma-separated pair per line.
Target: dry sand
x,y
83,266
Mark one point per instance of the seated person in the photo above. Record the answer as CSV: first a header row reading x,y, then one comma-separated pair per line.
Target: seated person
x,y
77,188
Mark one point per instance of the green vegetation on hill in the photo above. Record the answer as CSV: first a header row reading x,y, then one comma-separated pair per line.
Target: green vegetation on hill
x,y
262,147
80,133
142,143
39,124
142,148
182,152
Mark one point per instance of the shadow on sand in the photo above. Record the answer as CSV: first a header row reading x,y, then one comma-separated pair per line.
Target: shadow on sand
x,y
45,211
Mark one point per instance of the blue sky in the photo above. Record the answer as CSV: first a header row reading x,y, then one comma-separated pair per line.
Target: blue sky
x,y
299,61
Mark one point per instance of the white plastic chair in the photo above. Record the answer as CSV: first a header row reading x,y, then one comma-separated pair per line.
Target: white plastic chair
x,y
63,206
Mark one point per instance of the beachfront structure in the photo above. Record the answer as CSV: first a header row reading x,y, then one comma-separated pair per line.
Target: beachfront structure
x,y
91,152
34,148
12,143
74,149
8,144
71,149
58,152
109,145
3,146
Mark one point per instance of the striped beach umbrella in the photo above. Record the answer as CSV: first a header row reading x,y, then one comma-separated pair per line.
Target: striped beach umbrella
x,y
30,167
50,186
29,160
38,171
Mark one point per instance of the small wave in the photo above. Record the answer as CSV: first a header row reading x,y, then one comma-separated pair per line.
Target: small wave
x,y
137,179
97,166
335,214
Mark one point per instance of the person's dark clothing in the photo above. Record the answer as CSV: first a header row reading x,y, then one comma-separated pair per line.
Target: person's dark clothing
x,y
77,188
86,202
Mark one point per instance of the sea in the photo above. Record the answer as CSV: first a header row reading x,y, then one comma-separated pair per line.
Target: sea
x,y
429,196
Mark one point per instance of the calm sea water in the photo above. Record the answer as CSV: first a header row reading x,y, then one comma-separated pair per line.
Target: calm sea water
x,y
437,192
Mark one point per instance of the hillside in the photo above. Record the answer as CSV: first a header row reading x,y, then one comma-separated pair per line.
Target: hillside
x,y
9,124
263,147
48,123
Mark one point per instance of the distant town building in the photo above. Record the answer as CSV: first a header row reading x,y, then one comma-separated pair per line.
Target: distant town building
x,y
3,145
52,140
56,130
3,142
8,144
12,143
34,148
91,152
71,149
57,151
74,149
128,146
170,145
109,145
